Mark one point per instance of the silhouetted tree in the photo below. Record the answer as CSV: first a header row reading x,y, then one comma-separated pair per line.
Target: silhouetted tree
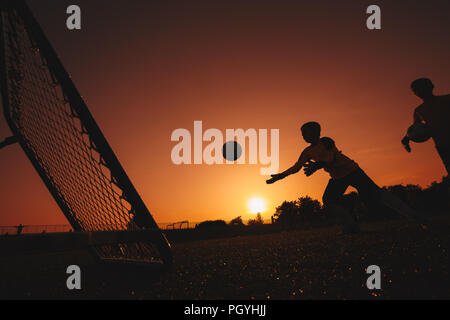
x,y
309,211
209,225
257,221
301,213
236,222
287,214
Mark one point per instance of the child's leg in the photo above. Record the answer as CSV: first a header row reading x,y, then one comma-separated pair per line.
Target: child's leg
x,y
332,200
368,191
373,195
394,203
444,153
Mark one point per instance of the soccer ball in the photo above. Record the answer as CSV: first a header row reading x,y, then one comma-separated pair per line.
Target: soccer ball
x,y
419,132
232,150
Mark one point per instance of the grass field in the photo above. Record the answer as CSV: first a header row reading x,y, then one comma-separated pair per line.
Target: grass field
x,y
313,264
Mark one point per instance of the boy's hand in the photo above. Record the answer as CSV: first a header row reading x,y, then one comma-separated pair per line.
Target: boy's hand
x,y
275,177
405,142
311,167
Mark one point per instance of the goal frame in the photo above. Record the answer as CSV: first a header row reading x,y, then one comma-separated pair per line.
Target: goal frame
x,y
143,218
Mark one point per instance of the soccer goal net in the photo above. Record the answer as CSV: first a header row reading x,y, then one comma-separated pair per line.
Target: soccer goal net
x,y
54,127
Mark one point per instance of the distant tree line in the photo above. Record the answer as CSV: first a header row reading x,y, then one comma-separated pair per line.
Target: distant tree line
x,y
235,223
306,213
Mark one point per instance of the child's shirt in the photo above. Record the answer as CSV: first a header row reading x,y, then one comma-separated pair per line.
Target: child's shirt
x,y
337,164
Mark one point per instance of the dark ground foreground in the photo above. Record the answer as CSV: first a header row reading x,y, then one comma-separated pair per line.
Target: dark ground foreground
x,y
315,264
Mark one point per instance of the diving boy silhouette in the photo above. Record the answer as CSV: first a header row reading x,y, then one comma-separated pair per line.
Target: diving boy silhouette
x,y
344,172
435,112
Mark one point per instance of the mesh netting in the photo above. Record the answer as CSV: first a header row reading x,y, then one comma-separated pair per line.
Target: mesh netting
x,y
60,145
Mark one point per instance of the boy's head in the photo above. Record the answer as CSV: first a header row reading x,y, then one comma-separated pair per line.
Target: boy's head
x,y
311,132
423,88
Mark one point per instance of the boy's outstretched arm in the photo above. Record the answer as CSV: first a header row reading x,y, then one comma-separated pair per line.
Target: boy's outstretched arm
x,y
294,169
278,176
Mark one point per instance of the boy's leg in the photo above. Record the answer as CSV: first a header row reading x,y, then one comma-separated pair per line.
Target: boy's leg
x,y
368,190
444,153
373,196
393,202
396,204
332,200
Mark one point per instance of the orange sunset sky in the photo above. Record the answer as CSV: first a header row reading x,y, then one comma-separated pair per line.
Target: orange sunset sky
x,y
146,68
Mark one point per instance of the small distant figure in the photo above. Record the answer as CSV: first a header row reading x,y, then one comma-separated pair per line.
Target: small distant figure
x,y
435,113
322,153
19,229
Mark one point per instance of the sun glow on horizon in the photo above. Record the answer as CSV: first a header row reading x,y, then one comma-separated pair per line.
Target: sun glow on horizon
x,y
256,204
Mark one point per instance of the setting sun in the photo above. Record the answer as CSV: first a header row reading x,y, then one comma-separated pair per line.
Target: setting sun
x,y
256,204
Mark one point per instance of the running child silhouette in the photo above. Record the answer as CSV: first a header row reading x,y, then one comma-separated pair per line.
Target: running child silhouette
x,y
323,154
435,112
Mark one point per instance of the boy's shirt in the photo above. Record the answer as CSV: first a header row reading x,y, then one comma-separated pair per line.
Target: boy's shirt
x,y
436,114
337,164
